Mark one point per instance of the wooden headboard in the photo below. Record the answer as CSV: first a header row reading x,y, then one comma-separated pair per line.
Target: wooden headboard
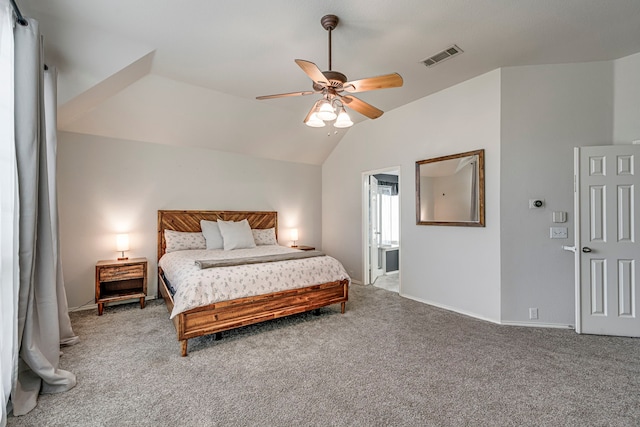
x,y
190,221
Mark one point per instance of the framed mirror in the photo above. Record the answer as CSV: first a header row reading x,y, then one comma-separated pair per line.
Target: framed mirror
x,y
450,190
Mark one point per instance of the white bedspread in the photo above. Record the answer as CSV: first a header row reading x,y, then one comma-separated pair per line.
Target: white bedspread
x,y
197,287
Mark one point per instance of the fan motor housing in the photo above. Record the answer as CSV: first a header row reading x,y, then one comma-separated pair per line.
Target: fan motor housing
x,y
336,80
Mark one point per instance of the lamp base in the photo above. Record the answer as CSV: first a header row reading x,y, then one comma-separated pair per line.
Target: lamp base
x,y
123,258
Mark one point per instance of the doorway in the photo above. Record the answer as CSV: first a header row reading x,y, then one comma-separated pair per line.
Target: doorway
x,y
381,223
606,251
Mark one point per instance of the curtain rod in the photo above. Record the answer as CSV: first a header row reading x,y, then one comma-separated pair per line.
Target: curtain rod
x,y
20,18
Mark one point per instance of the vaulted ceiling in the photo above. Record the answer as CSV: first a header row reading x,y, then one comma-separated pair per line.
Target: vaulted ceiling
x,y
187,73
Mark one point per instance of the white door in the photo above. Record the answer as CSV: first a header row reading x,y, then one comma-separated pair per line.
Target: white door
x,y
608,252
375,268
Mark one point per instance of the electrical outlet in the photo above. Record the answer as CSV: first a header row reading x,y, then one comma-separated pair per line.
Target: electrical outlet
x,y
558,232
533,313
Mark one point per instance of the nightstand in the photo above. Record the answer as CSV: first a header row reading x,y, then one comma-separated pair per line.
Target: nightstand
x,y
120,280
304,248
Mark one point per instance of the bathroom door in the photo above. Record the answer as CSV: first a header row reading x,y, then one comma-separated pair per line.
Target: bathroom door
x,y
375,269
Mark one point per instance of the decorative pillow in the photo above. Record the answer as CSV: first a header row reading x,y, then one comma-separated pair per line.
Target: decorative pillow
x,y
236,235
211,233
265,236
182,241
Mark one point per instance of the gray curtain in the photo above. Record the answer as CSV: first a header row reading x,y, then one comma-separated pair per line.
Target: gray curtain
x,y
43,320
67,337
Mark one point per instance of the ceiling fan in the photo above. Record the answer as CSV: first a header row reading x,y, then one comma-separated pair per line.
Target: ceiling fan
x,y
333,85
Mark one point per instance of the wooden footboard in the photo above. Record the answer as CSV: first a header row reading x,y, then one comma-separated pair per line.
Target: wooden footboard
x,y
233,314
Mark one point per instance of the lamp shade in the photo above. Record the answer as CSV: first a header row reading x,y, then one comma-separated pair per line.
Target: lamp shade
x,y
343,120
314,121
326,112
122,242
294,234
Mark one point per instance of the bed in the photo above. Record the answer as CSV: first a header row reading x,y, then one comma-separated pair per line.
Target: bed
x,y
226,314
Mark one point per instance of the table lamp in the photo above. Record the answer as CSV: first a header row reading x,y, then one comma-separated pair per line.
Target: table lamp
x,y
122,244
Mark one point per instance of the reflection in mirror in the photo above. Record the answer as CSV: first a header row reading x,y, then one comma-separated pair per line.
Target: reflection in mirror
x,y
450,190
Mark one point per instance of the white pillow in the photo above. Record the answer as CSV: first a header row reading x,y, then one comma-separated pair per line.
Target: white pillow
x,y
264,236
181,241
236,235
211,233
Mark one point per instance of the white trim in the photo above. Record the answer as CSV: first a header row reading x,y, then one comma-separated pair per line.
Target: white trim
x,y
83,308
365,220
577,239
448,308
90,306
356,282
537,325
365,228
486,319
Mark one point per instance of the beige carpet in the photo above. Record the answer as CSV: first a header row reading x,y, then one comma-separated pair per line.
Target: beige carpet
x,y
386,361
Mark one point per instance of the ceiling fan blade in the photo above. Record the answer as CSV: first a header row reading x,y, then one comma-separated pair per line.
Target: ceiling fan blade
x,y
282,95
312,71
361,107
374,83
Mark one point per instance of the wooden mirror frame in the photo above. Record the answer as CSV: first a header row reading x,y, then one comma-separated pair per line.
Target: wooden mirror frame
x,y
480,190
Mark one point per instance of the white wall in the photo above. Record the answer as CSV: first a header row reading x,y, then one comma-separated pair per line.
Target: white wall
x,y
626,120
527,119
546,111
454,267
108,186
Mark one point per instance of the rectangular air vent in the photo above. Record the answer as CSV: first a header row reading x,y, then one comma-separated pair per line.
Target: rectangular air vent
x,y
449,52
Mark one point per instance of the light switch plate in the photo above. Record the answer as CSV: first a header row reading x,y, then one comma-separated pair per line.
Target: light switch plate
x,y
559,216
558,232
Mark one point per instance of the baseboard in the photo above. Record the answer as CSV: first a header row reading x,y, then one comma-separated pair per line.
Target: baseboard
x,y
356,282
84,307
454,309
442,306
94,306
537,324
486,319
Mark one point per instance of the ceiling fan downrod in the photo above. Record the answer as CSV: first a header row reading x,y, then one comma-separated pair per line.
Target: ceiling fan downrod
x,y
329,23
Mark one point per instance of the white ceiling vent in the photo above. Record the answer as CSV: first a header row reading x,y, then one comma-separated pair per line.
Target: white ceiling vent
x,y
449,52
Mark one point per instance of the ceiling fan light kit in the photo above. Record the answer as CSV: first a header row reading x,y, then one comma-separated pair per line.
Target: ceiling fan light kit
x,y
314,122
312,119
343,120
326,112
332,85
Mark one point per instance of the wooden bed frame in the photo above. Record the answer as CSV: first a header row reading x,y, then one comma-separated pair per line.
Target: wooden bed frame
x,y
226,315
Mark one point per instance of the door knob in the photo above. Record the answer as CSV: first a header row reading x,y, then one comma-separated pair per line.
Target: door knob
x,y
586,250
